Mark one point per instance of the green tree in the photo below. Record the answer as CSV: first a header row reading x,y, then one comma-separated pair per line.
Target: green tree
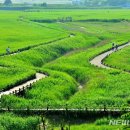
x,y
7,2
44,4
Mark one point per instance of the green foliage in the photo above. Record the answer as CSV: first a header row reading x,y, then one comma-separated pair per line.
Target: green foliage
x,y
14,26
67,61
13,122
103,121
89,126
120,59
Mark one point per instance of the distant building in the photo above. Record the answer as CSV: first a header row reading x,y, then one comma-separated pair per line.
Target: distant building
x,y
40,1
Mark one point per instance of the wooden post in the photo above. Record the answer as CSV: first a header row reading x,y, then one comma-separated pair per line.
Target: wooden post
x,y
66,110
15,92
43,123
28,110
66,107
47,107
39,124
30,85
8,108
105,108
27,87
86,108
19,90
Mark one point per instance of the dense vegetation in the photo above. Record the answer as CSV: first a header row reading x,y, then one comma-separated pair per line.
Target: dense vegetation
x,y
14,31
120,59
9,121
63,50
70,70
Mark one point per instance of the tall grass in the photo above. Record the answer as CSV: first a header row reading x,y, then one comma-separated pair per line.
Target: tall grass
x,y
67,63
120,59
14,122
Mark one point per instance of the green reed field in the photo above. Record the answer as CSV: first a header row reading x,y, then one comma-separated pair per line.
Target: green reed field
x,y
120,59
62,50
66,61
19,33
9,121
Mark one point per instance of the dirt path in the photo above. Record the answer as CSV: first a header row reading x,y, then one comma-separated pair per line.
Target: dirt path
x,y
97,61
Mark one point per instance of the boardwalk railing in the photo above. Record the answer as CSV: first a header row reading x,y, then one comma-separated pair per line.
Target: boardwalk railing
x,y
70,111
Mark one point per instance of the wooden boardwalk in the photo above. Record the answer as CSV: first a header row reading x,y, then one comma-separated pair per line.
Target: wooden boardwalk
x,y
22,87
97,61
83,113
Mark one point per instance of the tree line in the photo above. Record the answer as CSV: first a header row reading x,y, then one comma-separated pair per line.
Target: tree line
x,y
106,2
